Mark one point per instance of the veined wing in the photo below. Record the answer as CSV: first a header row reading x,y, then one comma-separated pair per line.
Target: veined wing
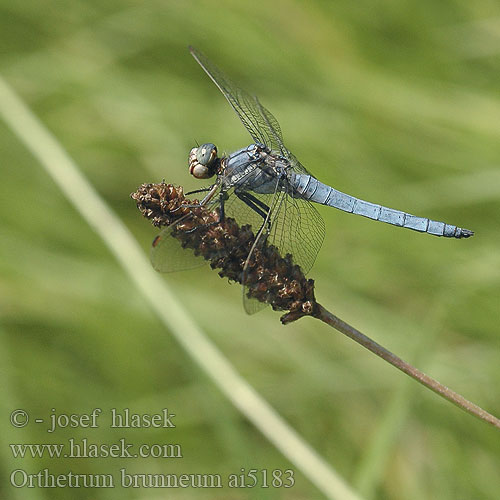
x,y
293,225
259,121
167,254
297,228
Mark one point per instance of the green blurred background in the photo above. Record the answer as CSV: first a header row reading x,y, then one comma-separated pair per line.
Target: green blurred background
x,y
394,102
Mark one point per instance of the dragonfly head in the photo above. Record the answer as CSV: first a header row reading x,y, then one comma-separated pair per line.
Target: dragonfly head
x,y
203,161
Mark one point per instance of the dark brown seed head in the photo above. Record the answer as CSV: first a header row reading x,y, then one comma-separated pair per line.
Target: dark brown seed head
x,y
269,277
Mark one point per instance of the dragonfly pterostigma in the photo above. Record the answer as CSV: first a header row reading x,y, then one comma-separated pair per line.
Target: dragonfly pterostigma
x,y
266,186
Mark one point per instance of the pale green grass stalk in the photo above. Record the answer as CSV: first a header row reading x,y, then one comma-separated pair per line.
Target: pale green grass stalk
x,y
115,235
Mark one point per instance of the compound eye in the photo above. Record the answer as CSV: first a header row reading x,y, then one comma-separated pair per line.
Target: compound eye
x,y
206,154
200,172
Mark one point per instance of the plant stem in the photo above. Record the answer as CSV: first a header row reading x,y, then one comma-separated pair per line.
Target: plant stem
x,y
332,320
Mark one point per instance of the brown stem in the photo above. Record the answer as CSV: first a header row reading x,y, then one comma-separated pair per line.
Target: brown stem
x,y
413,372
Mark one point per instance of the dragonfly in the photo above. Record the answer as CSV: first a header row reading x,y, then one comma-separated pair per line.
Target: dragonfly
x,y
264,185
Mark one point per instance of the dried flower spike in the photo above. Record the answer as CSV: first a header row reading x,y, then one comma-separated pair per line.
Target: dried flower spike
x,y
269,277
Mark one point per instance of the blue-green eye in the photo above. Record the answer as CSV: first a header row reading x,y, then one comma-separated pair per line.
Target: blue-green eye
x,y
206,154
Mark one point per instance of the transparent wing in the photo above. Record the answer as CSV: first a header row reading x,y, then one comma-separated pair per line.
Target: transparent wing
x,y
259,121
298,229
168,255
294,226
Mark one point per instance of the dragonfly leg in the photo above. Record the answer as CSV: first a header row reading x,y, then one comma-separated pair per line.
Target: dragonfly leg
x,y
204,190
222,199
196,205
255,204
210,193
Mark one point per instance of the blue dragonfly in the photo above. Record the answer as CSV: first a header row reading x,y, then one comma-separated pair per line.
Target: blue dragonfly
x,y
266,186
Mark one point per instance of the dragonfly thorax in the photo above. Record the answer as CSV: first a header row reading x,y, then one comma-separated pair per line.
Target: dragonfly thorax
x,y
203,161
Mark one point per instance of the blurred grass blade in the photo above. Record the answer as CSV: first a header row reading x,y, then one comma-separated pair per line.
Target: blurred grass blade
x,y
129,254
